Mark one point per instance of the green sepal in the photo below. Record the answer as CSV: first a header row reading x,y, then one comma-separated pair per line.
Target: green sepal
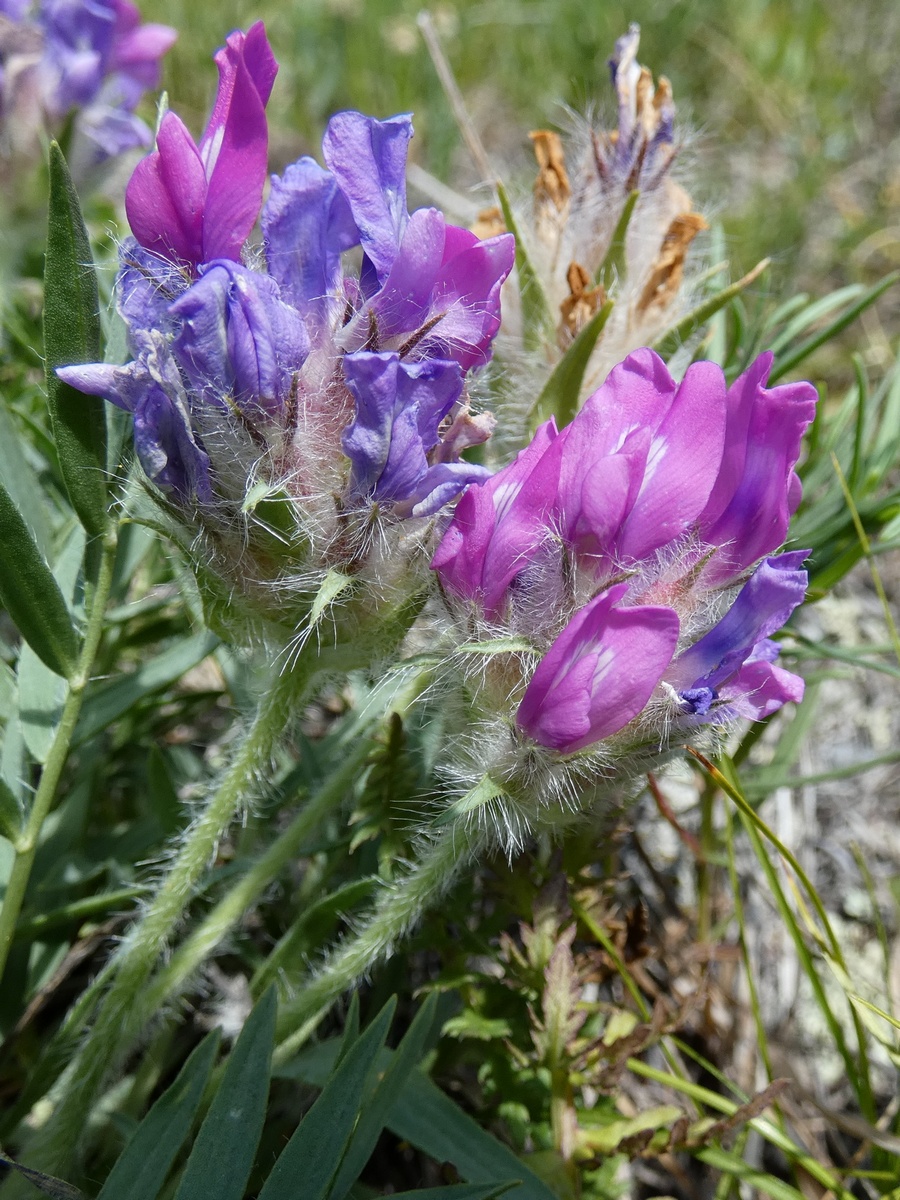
x,y
31,595
333,585
559,395
613,265
484,792
511,645
675,337
536,320
72,335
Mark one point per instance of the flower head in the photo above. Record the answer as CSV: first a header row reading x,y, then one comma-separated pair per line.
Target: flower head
x,y
622,548
341,393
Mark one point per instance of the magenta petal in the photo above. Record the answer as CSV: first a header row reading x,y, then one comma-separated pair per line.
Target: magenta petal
x,y
402,304
750,507
598,674
165,196
249,52
682,464
235,145
469,561
467,294
759,689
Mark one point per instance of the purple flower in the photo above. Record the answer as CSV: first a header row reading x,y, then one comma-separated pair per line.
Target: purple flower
x,y
628,504
194,203
91,56
152,390
351,387
599,673
237,339
629,475
757,489
399,407
730,672
426,289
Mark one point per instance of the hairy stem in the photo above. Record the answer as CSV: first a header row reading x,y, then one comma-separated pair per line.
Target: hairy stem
x,y
398,908
121,1016
191,953
27,843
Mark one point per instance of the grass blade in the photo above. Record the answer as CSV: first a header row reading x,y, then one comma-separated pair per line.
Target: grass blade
x,y
144,1164
308,1163
222,1157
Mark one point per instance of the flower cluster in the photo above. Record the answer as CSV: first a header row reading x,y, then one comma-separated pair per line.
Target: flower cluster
x,y
90,57
617,584
343,393
632,552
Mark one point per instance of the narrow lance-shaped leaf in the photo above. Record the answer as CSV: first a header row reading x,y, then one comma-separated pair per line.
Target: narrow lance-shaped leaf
x,y
58,1189
559,395
675,337
30,594
141,1170
72,335
536,319
309,1161
222,1157
10,812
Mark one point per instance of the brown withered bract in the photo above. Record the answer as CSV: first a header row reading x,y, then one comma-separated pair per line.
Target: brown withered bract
x,y
668,269
489,223
552,182
580,305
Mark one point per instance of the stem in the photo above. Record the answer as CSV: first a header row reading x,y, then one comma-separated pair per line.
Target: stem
x,y
27,843
188,957
398,908
121,1015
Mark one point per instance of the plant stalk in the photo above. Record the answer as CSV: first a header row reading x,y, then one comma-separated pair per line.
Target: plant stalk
x,y
396,911
121,1016
27,843
225,915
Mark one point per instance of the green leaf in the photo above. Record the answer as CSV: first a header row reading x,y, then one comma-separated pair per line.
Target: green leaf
x,y
222,1157
559,395
605,1139
485,791
537,323
30,593
613,263
10,813
72,335
42,695
377,1107
792,358
675,337
429,1120
311,1158
113,700
44,1183
141,1169
22,482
